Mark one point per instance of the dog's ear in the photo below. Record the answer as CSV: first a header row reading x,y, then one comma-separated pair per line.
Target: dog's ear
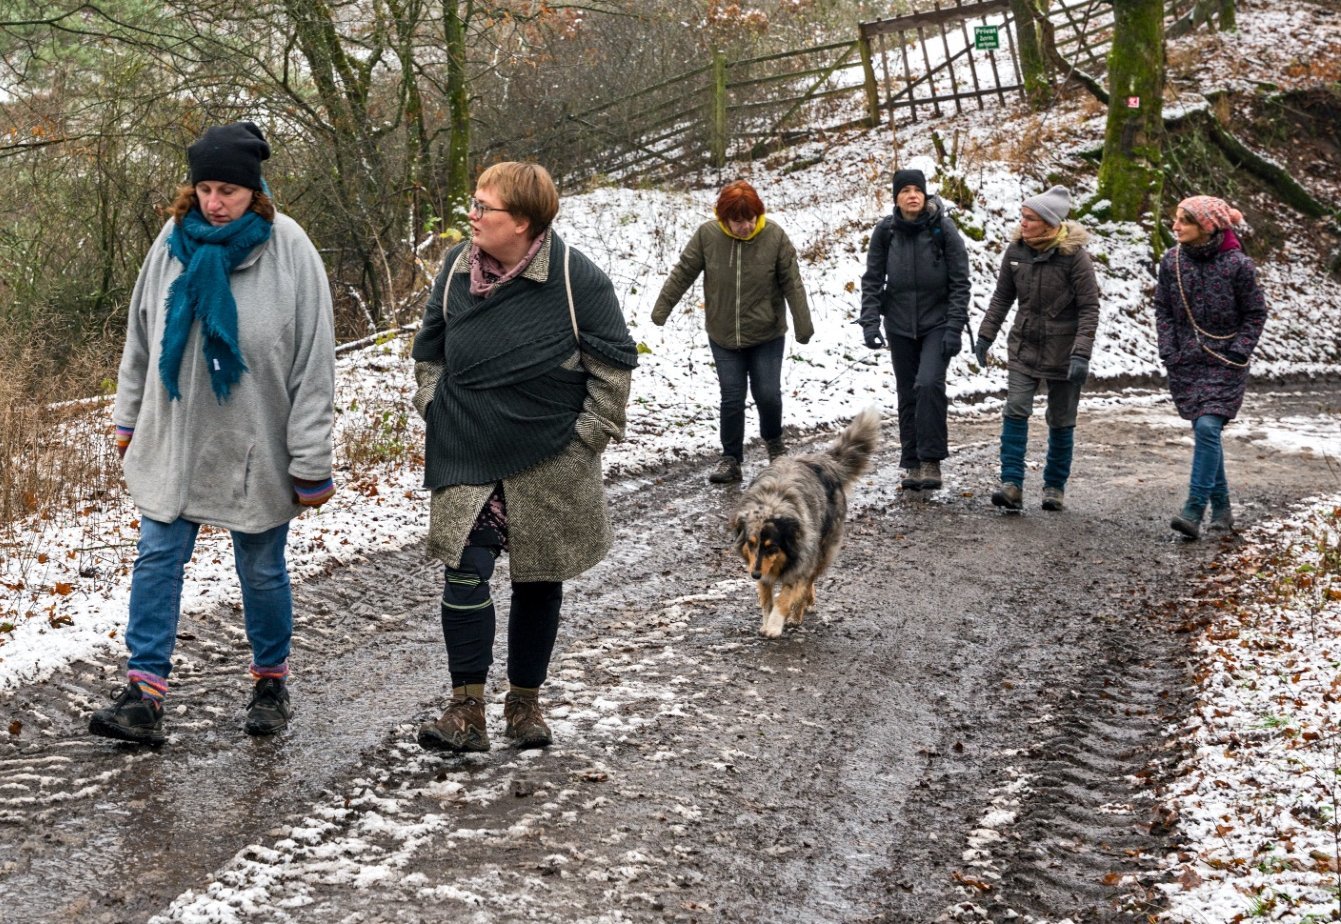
x,y
736,525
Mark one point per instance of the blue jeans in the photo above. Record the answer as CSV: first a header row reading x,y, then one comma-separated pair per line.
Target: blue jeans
x,y
1208,460
759,366
156,593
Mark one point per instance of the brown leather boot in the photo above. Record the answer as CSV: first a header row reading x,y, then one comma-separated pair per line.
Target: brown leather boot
x,y
461,728
525,725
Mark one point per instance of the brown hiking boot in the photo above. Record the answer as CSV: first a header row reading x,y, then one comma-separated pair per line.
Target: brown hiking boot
x,y
1054,499
726,472
460,728
912,478
776,447
929,474
1009,495
525,725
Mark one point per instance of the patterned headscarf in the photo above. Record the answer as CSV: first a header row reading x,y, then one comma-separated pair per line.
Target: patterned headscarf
x,y
1210,213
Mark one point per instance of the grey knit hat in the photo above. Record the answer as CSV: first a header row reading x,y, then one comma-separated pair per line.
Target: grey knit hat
x,y
1052,206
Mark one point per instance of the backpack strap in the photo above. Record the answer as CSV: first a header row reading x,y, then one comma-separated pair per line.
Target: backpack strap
x,y
568,286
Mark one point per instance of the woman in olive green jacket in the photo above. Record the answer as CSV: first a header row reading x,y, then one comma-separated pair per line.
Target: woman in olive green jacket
x,y
750,277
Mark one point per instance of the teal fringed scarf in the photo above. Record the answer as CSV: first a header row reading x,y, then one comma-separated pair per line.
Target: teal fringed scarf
x,y
209,254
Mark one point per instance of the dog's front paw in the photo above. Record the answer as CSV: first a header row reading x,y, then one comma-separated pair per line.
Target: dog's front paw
x,y
771,627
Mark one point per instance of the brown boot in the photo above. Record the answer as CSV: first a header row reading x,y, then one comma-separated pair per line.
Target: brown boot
x,y
525,725
461,728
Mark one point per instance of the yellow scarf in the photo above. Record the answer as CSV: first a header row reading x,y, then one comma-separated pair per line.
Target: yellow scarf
x,y
758,226
1047,241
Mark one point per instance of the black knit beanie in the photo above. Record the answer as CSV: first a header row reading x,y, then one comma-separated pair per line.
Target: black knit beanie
x,y
904,178
229,154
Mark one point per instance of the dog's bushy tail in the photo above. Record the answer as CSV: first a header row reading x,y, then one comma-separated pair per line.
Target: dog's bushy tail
x,y
854,445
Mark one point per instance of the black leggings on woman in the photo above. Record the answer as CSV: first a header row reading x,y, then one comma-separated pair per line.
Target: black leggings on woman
x,y
469,622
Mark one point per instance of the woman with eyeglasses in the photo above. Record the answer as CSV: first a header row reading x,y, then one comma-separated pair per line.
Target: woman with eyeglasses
x,y
523,364
1209,314
750,279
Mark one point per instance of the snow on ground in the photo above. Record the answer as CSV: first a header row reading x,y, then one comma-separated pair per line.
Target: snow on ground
x,y
1266,731
1259,799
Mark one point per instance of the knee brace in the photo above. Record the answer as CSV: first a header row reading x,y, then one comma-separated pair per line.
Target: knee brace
x,y
466,587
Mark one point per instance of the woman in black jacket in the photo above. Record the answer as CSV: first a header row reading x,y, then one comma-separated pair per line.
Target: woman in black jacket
x,y
917,280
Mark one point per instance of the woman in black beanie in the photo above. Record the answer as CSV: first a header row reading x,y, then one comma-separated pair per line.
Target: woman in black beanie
x,y
224,412
917,283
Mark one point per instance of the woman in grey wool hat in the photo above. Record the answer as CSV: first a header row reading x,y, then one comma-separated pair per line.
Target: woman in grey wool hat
x,y
1046,269
224,412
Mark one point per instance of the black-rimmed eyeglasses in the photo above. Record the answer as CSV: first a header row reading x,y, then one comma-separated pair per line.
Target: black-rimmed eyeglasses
x,y
476,207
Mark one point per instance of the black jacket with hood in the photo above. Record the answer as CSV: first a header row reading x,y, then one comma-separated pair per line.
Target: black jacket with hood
x,y
916,279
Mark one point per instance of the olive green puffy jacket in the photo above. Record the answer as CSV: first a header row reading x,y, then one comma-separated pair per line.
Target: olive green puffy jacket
x,y
745,285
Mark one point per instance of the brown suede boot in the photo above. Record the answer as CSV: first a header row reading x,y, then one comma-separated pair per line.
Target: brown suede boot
x,y
525,725
461,728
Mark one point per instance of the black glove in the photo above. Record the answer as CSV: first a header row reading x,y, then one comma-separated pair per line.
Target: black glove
x,y
951,345
874,340
1234,356
980,347
1080,367
802,340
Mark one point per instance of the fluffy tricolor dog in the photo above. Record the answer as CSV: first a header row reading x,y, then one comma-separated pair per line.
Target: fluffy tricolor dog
x,y
789,523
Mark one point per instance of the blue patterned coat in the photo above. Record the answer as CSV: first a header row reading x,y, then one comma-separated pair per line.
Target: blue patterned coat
x,y
1219,292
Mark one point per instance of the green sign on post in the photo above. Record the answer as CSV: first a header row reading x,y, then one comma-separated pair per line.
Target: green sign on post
x,y
985,38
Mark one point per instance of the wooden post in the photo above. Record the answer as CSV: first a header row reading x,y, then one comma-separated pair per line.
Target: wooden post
x,y
719,109
868,75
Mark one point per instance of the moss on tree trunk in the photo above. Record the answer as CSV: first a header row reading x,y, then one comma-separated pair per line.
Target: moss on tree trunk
x,y
458,107
1033,63
1131,176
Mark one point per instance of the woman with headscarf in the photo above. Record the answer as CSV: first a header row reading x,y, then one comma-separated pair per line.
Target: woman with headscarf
x,y
523,364
1047,269
750,279
1209,314
224,411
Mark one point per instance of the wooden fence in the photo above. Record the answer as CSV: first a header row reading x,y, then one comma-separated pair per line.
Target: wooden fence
x,y
727,110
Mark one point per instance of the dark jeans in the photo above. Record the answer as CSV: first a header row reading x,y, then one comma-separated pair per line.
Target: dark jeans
x,y
759,367
919,377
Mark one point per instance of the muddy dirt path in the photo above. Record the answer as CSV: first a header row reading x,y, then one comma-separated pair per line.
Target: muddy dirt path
x,y
969,728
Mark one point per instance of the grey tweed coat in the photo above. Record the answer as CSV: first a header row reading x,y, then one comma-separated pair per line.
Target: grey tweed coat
x,y
558,524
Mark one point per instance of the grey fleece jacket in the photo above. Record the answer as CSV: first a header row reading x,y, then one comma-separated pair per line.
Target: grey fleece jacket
x,y
232,464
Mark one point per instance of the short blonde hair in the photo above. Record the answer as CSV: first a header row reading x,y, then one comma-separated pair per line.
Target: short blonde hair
x,y
527,191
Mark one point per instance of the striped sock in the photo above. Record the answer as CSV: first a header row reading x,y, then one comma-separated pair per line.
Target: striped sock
x,y
278,672
152,687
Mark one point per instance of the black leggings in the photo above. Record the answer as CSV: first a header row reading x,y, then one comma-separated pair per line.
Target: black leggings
x,y
469,622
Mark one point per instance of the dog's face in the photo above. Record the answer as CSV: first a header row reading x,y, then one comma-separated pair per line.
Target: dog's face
x,y
767,544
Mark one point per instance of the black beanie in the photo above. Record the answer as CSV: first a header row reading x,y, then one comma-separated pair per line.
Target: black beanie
x,y
904,178
229,154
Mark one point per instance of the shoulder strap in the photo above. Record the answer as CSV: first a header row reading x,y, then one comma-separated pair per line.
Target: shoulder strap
x,y
568,286
448,264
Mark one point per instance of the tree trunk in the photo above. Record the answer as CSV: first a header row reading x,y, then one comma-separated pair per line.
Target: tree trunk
x,y
1229,21
1131,176
455,17
1033,63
